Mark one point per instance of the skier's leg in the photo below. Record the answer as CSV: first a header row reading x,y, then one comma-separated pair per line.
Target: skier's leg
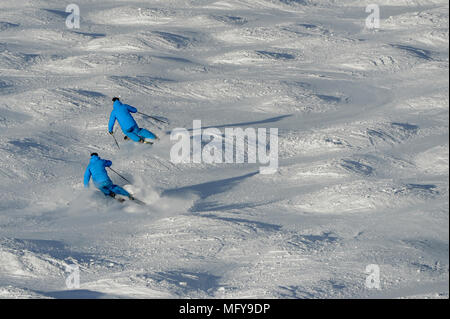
x,y
133,136
106,188
119,190
146,134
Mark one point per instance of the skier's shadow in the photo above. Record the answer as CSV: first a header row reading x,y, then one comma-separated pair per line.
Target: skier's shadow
x,y
269,120
245,124
207,189
76,294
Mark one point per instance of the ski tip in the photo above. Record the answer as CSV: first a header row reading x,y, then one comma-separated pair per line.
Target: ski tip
x,y
139,202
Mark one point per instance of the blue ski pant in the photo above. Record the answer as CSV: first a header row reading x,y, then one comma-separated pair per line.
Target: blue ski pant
x,y
108,188
136,134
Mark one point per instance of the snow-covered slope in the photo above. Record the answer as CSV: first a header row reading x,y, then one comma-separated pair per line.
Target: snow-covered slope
x,y
363,144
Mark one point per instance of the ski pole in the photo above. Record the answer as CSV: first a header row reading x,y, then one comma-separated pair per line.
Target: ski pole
x,y
120,175
115,140
154,118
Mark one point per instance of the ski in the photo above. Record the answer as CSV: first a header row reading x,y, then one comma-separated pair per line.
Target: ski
x,y
138,201
126,138
132,199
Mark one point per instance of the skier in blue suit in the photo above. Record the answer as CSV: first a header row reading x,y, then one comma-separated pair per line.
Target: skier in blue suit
x,y
121,113
97,170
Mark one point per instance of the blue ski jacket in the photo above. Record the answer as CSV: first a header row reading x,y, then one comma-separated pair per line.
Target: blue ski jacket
x,y
121,113
97,169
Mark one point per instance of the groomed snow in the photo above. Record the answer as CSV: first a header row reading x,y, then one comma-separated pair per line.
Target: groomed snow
x,y
362,117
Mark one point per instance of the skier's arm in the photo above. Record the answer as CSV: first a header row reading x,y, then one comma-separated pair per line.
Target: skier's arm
x,y
87,177
107,163
112,122
130,108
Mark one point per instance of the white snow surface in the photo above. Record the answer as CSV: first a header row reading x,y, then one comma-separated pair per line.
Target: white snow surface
x,y
363,144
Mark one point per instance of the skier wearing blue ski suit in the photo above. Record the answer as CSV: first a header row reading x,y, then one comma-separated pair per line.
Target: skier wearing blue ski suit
x,y
97,170
121,113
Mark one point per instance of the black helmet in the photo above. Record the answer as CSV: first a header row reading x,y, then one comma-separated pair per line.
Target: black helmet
x,y
114,99
94,154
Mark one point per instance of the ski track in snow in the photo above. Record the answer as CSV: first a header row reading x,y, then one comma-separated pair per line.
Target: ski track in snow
x,y
363,143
